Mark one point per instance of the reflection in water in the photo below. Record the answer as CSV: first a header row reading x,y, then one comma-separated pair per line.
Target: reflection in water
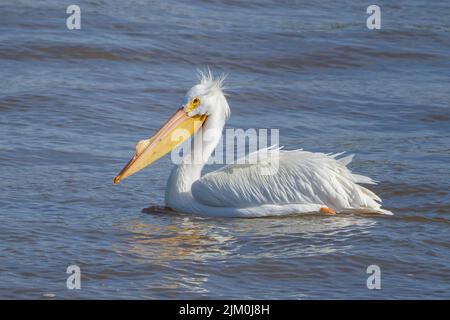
x,y
165,236
187,253
177,237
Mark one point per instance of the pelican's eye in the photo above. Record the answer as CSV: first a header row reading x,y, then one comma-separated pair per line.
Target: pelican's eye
x,y
194,104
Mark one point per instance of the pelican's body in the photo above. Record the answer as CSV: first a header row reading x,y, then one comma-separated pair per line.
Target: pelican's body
x,y
302,182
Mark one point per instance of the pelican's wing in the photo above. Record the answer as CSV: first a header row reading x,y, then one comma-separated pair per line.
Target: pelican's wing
x,y
300,177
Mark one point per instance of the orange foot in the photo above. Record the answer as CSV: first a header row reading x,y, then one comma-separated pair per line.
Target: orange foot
x,y
327,210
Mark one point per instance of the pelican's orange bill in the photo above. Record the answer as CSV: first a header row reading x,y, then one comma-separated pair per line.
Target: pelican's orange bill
x,y
175,131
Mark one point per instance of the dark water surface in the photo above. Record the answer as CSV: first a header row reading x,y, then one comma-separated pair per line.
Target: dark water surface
x,y
73,104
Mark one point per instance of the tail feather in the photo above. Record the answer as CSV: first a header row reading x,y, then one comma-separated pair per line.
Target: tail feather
x,y
368,200
346,160
370,194
363,179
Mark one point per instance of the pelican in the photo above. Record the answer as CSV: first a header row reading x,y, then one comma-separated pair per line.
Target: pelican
x,y
304,182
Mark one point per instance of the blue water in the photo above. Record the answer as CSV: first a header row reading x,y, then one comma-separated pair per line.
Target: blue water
x,y
74,103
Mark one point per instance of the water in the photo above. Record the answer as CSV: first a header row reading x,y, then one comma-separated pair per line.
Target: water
x,y
73,104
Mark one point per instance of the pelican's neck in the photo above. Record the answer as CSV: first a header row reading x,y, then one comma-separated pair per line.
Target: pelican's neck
x,y
190,169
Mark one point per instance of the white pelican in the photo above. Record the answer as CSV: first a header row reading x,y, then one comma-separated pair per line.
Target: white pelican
x,y
305,182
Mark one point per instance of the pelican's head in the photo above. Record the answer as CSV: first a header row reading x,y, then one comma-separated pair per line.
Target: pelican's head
x,y
202,101
207,97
